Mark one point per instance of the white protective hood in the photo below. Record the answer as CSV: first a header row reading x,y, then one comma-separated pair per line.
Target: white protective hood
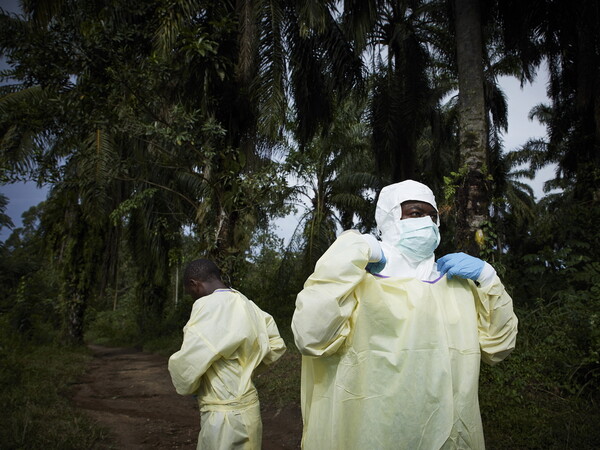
x,y
387,216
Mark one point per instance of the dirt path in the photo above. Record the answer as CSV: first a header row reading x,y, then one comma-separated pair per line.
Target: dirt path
x,y
130,393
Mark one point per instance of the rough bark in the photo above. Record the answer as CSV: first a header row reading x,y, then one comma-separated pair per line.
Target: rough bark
x,y
472,197
75,315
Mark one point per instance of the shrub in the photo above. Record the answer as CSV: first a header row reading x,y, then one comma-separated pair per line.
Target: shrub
x,y
34,380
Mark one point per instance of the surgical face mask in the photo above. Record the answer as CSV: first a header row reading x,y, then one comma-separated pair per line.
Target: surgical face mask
x,y
418,237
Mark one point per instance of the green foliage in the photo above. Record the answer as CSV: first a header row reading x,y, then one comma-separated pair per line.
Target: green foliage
x,y
164,345
150,118
34,381
543,396
490,247
546,394
113,328
5,220
337,175
29,302
175,318
261,281
120,327
279,385
452,183
135,201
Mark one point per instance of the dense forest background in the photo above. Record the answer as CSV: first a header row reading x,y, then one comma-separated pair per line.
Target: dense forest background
x,y
175,129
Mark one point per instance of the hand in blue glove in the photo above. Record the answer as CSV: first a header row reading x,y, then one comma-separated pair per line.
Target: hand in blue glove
x,y
376,267
460,265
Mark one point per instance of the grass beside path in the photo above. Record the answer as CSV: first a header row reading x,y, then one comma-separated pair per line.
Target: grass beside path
x,y
34,385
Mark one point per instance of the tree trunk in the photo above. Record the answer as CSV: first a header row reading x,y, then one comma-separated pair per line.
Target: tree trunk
x,y
75,315
587,101
472,197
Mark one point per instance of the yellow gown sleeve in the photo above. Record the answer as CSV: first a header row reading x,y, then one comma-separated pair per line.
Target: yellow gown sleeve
x,y
191,362
215,330
276,345
321,320
497,323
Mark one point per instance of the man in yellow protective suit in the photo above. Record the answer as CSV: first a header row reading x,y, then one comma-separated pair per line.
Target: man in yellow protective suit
x,y
226,338
392,341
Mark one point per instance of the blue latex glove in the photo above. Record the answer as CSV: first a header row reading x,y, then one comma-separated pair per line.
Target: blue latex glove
x,y
460,265
376,267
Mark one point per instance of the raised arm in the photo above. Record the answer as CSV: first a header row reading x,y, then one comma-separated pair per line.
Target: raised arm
x,y
324,306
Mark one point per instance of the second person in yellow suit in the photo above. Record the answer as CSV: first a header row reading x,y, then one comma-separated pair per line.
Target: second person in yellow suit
x,y
225,340
391,359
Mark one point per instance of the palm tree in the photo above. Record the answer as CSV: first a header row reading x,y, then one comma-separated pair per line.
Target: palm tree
x,y
73,140
249,66
472,197
75,245
335,172
5,220
566,35
405,47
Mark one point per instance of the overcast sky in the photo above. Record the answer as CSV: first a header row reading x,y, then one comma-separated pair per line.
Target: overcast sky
x,y
520,101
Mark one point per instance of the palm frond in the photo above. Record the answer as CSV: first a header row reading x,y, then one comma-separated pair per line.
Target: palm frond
x,y
497,104
272,102
42,11
248,40
91,171
174,15
13,96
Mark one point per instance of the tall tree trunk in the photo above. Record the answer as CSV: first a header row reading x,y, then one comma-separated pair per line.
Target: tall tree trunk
x,y
75,315
587,100
472,198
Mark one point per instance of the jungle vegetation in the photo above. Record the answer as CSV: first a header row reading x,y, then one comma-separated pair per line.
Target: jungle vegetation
x,y
174,129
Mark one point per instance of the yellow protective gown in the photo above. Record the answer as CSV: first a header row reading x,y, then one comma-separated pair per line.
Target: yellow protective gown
x,y
226,338
393,363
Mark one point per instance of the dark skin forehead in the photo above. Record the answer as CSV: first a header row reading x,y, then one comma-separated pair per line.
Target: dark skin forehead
x,y
412,209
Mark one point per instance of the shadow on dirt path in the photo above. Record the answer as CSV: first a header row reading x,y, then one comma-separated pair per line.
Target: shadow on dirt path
x,y
129,393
